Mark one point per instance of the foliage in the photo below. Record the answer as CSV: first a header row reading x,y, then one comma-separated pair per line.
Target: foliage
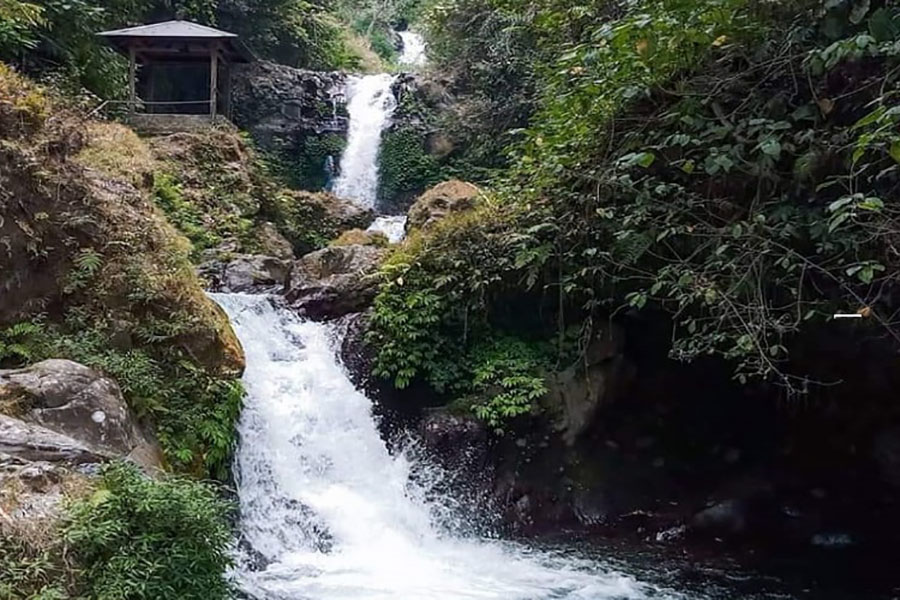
x,y
187,217
489,50
305,169
60,35
404,168
21,343
140,538
126,536
438,316
17,23
728,164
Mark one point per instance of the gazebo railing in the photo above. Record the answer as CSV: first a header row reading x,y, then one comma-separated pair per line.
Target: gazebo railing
x,y
139,106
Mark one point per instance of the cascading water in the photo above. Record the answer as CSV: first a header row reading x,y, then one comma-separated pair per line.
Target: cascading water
x,y
370,104
413,53
330,514
393,226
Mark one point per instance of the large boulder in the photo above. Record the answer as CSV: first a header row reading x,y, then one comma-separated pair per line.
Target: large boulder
x,y
28,442
443,199
335,281
592,382
248,273
77,403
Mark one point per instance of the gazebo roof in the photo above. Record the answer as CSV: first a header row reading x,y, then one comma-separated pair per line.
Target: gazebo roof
x,y
162,36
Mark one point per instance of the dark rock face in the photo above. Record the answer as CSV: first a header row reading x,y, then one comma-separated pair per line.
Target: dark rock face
x,y
281,105
461,443
583,388
335,281
248,273
78,403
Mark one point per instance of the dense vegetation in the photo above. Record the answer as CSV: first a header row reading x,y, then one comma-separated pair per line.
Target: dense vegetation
x,y
92,272
56,38
126,536
728,164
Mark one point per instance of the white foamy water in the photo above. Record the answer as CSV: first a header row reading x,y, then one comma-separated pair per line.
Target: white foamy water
x,y
369,104
394,227
413,52
335,515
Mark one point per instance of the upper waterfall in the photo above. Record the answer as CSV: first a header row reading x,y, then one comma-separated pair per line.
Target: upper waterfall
x,y
331,515
370,103
413,53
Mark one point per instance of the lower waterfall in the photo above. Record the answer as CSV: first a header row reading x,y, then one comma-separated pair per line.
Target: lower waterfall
x,y
327,513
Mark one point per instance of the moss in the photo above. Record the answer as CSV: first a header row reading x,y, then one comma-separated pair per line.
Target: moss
x,y
405,169
310,173
116,151
361,237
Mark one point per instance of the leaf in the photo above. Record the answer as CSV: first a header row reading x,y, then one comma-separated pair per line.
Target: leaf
x,y
895,151
859,11
882,25
771,147
688,166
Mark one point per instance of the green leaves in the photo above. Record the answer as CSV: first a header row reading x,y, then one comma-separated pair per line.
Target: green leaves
x,y
137,537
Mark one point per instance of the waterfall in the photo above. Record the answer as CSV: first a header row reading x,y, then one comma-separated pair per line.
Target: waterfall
x,y
413,53
330,514
370,104
393,226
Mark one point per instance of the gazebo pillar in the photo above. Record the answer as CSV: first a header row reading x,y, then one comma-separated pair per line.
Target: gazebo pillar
x,y
132,78
213,78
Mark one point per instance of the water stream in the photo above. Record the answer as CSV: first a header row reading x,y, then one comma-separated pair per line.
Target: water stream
x,y
413,53
327,513
369,104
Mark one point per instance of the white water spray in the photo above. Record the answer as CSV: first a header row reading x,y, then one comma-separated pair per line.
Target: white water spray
x,y
370,104
334,515
413,53
393,226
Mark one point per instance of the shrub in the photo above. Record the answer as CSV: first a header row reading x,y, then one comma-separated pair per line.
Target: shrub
x,y
137,537
404,168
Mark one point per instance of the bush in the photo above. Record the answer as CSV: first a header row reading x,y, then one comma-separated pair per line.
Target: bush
x,y
404,169
136,537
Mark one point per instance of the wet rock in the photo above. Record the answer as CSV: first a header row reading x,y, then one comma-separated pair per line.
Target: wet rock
x,y
886,452
248,273
335,281
460,442
726,518
441,200
583,388
77,403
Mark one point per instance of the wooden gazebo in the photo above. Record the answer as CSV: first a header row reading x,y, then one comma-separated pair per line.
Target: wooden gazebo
x,y
179,68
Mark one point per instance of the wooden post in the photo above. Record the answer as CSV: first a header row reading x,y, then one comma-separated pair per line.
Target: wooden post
x,y
213,80
132,77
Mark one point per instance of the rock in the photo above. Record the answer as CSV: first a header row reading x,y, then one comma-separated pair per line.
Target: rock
x,y
281,105
726,518
78,403
583,388
335,281
332,213
441,200
460,442
30,442
248,273
886,452
272,242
